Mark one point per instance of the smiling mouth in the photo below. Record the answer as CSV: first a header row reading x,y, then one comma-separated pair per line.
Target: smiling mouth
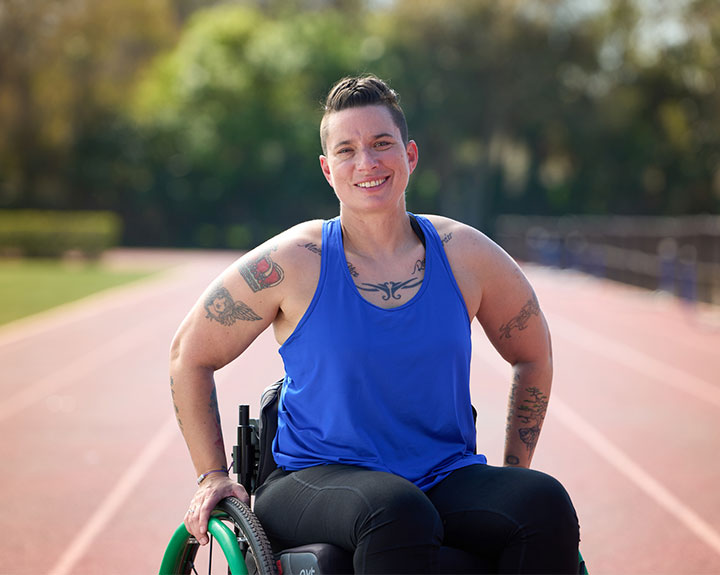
x,y
372,183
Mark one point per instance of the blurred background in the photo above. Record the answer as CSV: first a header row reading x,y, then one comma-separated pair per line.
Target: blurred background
x,y
577,133
149,142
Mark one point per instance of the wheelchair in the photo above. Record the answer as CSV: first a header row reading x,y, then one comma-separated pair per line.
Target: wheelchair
x,y
237,535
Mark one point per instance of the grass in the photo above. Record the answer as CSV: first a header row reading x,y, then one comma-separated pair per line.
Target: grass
x,y
32,286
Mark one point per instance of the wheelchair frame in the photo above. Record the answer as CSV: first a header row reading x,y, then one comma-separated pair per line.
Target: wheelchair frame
x,y
245,547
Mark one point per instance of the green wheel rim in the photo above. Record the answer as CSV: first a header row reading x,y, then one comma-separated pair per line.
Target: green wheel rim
x,y
223,535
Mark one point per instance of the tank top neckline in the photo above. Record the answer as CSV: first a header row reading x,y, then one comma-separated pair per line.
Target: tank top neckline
x,y
340,245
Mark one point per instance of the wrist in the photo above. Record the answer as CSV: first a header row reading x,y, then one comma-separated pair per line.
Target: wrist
x,y
203,476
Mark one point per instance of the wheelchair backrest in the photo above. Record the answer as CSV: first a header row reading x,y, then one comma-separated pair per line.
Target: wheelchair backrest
x,y
268,428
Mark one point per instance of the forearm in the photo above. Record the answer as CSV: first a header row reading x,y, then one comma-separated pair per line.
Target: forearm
x,y
196,408
527,406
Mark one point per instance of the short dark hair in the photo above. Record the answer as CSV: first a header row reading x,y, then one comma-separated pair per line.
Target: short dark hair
x,y
357,91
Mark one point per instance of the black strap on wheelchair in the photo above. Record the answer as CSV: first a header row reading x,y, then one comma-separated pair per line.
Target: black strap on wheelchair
x,y
268,429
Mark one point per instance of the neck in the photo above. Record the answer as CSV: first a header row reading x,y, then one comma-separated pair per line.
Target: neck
x,y
376,235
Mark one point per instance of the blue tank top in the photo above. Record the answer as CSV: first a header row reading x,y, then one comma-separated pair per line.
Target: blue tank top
x,y
383,389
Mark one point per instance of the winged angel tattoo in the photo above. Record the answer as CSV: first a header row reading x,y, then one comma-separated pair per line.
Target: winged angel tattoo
x,y
222,308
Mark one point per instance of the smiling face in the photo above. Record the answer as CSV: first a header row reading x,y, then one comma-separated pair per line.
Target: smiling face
x,y
367,163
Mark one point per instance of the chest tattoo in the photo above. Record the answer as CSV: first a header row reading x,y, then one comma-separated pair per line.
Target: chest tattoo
x,y
390,289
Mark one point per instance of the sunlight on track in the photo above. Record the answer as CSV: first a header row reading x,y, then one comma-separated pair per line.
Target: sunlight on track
x,y
115,499
613,455
637,361
626,466
73,371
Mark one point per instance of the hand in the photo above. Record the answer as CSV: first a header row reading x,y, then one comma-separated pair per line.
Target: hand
x,y
213,489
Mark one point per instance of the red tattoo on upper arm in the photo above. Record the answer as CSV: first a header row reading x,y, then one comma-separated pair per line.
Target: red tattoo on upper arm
x,y
262,273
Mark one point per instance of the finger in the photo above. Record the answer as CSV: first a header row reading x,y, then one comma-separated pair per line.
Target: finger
x,y
202,527
194,523
190,521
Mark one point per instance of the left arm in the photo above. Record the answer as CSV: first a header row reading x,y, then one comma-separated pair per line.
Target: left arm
x,y
511,317
499,295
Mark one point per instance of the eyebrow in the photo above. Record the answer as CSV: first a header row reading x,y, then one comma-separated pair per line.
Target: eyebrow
x,y
375,137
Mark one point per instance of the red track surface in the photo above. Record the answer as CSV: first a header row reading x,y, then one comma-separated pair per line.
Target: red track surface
x,y
95,476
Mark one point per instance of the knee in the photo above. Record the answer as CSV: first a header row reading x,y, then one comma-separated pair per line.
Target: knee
x,y
551,505
404,510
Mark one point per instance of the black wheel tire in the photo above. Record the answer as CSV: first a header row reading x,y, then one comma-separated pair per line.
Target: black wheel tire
x,y
252,540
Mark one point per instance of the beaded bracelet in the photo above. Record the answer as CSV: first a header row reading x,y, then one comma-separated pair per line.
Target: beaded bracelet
x,y
204,475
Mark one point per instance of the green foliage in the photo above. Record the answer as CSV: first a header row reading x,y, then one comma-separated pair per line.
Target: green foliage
x,y
232,115
199,124
54,234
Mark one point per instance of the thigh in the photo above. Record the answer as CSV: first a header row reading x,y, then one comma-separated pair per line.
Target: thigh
x,y
343,505
514,515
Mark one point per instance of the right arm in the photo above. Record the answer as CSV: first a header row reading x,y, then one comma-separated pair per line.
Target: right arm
x,y
225,320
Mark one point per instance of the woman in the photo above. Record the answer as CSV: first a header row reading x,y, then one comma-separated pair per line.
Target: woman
x,y
372,310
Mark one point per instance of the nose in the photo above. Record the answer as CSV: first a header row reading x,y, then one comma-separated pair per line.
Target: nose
x,y
366,159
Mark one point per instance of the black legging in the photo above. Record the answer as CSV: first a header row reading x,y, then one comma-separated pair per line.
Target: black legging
x,y
511,520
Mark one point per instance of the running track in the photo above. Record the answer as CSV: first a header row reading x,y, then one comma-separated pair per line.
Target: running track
x,y
95,476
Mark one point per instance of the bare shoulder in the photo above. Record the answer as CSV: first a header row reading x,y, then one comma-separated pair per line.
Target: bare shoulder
x,y
463,241
283,257
477,262
301,240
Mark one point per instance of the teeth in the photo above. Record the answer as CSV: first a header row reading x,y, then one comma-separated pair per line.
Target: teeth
x,y
371,184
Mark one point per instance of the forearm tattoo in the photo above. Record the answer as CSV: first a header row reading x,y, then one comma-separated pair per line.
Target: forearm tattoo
x,y
177,411
530,414
520,321
215,412
222,308
263,272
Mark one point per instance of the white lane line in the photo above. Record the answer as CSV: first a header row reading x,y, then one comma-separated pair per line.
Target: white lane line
x,y
74,371
115,499
626,466
621,462
636,360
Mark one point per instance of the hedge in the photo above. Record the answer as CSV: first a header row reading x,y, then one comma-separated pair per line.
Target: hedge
x,y
53,234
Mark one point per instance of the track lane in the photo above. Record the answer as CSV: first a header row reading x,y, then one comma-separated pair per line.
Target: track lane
x,y
73,449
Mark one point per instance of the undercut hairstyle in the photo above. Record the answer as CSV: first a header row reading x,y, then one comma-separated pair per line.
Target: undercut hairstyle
x,y
357,91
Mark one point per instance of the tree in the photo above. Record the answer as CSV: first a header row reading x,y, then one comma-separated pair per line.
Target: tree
x,y
236,106
62,65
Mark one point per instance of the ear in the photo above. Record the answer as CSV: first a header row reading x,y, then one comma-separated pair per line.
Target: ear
x,y
412,155
325,166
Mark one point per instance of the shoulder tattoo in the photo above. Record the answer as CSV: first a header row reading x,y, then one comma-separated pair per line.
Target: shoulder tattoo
x,y
312,247
262,272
